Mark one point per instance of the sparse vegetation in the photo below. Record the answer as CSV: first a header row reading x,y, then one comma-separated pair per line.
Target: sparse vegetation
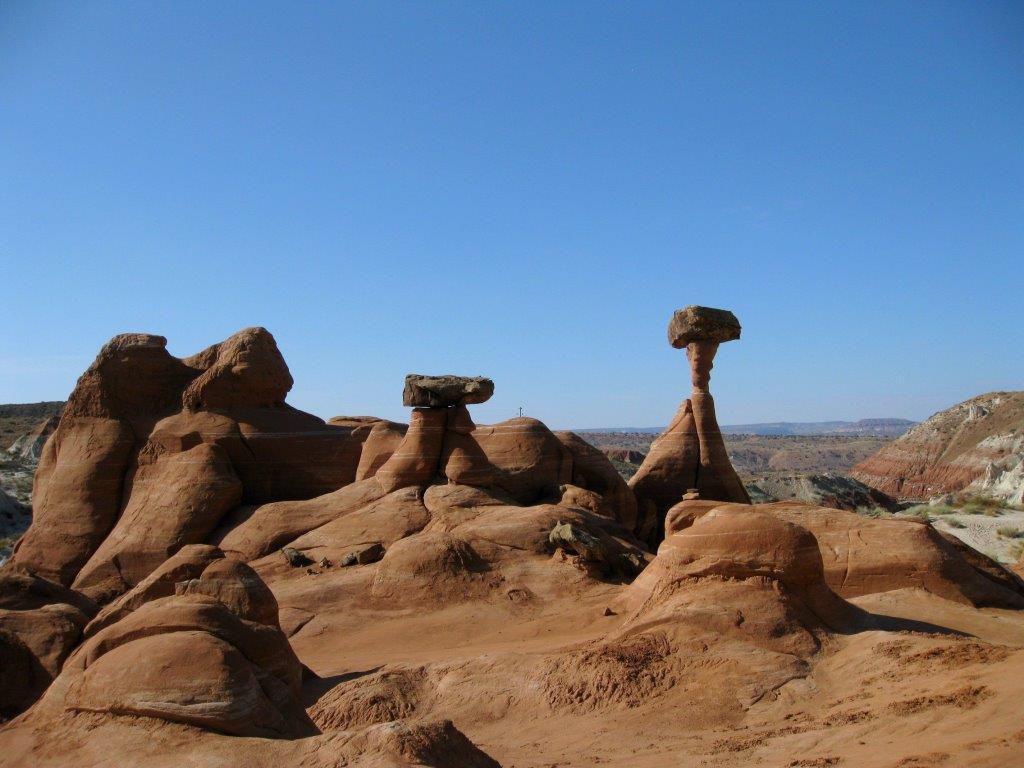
x,y
922,511
981,505
1010,532
872,511
955,523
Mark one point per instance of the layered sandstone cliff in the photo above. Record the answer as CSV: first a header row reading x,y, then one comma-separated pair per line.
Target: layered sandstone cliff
x,y
977,445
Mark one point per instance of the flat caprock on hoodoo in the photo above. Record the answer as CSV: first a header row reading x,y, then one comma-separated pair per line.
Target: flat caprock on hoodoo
x,y
689,457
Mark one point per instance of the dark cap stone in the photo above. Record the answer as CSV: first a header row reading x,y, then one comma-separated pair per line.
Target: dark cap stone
x,y
443,391
702,324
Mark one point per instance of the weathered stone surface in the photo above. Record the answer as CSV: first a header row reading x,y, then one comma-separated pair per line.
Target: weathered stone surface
x,y
30,445
189,562
138,420
250,533
691,452
24,677
40,623
176,499
441,391
592,469
976,446
382,441
217,661
246,369
743,545
695,323
76,496
378,523
236,586
863,555
416,461
521,457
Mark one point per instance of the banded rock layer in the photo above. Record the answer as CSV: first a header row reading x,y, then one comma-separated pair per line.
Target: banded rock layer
x,y
977,446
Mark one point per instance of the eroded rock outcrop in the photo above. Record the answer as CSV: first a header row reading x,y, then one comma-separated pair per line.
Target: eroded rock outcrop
x,y
176,443
746,546
486,575
40,623
690,453
977,446
211,655
864,555
520,457
30,445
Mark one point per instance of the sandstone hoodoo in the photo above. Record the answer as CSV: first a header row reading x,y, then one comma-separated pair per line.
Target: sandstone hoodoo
x,y
217,578
690,453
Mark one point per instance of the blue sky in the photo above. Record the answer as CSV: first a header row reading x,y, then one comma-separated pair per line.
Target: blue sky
x,y
524,191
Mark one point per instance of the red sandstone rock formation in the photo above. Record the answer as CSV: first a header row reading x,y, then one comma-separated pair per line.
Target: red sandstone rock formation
x,y
482,574
691,453
211,655
176,443
864,555
970,446
40,623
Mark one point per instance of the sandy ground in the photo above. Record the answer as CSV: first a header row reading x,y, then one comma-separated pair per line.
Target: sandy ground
x,y
982,532
949,697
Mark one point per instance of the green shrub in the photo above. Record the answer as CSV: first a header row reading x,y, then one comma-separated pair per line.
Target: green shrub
x,y
954,523
1010,532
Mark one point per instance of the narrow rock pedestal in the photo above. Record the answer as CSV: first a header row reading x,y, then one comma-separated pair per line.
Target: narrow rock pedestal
x,y
439,405
690,454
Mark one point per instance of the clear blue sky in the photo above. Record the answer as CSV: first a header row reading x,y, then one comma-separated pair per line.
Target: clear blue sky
x,y
524,191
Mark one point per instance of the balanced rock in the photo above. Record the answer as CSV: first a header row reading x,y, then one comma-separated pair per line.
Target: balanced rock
x,y
696,323
443,391
691,452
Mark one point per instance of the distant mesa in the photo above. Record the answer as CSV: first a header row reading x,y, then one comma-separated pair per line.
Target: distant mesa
x,y
859,428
